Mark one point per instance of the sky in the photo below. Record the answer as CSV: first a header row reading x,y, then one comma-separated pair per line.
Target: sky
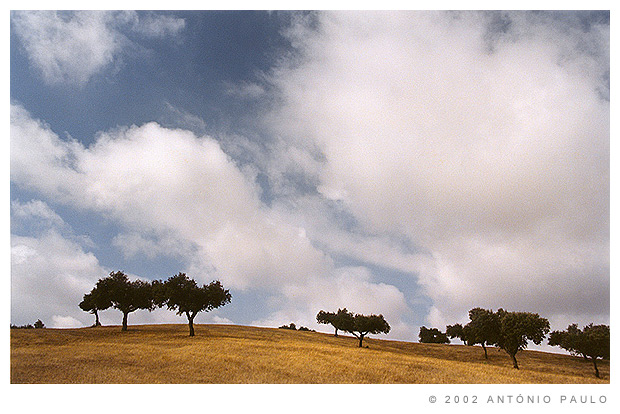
x,y
413,164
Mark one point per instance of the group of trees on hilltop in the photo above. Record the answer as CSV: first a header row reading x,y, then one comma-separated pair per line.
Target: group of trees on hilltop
x,y
358,325
592,342
483,329
179,293
432,336
511,331
37,325
294,327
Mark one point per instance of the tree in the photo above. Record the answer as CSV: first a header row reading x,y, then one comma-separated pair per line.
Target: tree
x,y
39,324
337,320
456,331
326,318
432,336
93,302
125,295
482,329
182,294
516,329
362,325
593,342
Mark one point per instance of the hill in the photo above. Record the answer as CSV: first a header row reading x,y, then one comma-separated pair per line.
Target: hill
x,y
246,354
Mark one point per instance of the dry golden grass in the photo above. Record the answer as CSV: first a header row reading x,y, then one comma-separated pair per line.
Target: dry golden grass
x,y
242,354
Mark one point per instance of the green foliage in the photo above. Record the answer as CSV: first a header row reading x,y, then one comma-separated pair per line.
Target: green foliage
x,y
593,342
293,327
37,325
93,302
362,325
325,317
432,336
456,331
339,320
357,325
29,326
483,329
122,294
517,328
183,295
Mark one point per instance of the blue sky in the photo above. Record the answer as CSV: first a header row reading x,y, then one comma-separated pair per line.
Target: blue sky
x,y
414,164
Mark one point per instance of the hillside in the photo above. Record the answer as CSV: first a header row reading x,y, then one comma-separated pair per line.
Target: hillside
x,y
245,354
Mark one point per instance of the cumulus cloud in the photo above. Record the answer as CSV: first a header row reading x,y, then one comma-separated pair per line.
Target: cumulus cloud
x,y
36,209
467,152
151,24
71,47
487,147
49,276
65,322
180,195
346,287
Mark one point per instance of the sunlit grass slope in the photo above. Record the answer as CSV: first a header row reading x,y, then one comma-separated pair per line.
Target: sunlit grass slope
x,y
244,354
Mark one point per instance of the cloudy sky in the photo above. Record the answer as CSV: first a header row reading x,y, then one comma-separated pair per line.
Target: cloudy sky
x,y
413,164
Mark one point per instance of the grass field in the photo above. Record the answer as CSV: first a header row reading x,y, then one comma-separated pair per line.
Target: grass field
x,y
243,354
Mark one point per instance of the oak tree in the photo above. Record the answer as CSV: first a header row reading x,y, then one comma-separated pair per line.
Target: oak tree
x,y
593,342
94,302
362,325
338,320
125,295
432,336
482,329
516,329
185,296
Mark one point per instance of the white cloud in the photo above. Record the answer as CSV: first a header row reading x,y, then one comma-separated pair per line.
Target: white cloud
x,y
59,321
133,244
346,287
474,162
71,47
49,276
151,24
490,153
179,194
37,209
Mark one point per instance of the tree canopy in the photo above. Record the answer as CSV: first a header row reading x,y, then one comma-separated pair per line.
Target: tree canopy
x,y
183,295
125,295
432,336
93,302
361,325
483,329
517,328
593,342
338,320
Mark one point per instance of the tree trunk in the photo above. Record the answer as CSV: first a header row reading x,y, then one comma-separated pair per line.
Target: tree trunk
x,y
97,323
361,338
125,314
336,333
485,351
596,373
190,320
514,361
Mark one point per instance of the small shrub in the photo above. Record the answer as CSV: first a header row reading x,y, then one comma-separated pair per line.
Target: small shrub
x,y
22,326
